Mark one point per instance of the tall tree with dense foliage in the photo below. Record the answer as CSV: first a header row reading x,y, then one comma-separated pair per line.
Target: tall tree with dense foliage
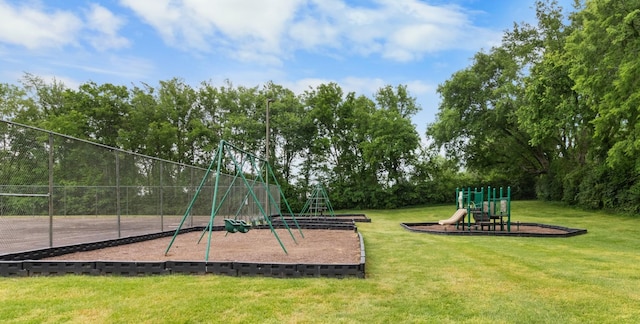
x,y
335,152
13,101
291,130
515,113
553,113
106,107
477,123
394,145
365,150
606,71
183,123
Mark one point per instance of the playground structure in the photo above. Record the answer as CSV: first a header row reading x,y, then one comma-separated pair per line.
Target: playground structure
x,y
490,209
252,194
318,204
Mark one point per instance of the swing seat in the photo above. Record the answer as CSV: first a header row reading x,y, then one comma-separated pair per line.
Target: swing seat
x,y
229,225
242,226
233,226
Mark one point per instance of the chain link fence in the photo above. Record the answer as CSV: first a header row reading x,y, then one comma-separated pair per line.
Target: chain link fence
x,y
58,190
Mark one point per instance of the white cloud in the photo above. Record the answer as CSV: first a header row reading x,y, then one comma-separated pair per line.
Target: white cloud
x,y
171,21
106,24
48,41
34,28
419,87
221,25
68,82
310,32
360,86
363,86
398,30
300,86
123,67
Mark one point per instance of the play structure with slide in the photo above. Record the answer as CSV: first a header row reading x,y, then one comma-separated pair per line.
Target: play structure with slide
x,y
487,211
490,209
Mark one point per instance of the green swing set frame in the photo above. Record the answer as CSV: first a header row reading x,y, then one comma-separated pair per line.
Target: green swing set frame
x,y
235,225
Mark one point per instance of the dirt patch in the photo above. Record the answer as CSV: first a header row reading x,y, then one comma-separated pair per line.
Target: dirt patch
x,y
258,245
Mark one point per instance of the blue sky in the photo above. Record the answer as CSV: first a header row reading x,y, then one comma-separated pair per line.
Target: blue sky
x,y
361,45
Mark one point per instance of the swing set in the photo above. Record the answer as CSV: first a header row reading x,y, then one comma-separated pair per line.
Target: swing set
x,y
252,192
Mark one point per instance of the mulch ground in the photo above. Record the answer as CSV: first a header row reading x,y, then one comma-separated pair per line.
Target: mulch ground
x,y
258,245
514,229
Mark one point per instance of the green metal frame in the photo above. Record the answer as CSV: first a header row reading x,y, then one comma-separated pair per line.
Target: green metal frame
x,y
317,198
228,151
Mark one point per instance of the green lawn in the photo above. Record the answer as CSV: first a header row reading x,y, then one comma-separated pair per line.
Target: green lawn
x,y
411,278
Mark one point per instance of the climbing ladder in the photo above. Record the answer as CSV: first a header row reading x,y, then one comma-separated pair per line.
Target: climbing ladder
x,y
318,204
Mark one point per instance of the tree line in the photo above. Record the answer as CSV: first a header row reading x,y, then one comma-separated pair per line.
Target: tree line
x,y
365,151
555,104
551,111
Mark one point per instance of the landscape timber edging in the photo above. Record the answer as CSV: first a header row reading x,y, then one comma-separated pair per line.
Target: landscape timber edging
x,y
358,218
568,231
29,263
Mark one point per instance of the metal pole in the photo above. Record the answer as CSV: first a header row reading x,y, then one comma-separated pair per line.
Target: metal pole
x,y
191,190
509,210
269,101
118,214
50,190
161,197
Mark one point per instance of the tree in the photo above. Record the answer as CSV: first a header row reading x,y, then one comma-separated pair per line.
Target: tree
x,y
367,150
13,101
398,100
476,123
182,120
212,120
46,99
290,128
106,108
393,145
515,113
143,118
553,113
606,72
334,152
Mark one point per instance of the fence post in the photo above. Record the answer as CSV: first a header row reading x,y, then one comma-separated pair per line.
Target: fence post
x,y
161,197
50,190
118,190
192,192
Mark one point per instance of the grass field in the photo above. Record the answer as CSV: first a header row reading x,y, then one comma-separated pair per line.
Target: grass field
x,y
411,278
